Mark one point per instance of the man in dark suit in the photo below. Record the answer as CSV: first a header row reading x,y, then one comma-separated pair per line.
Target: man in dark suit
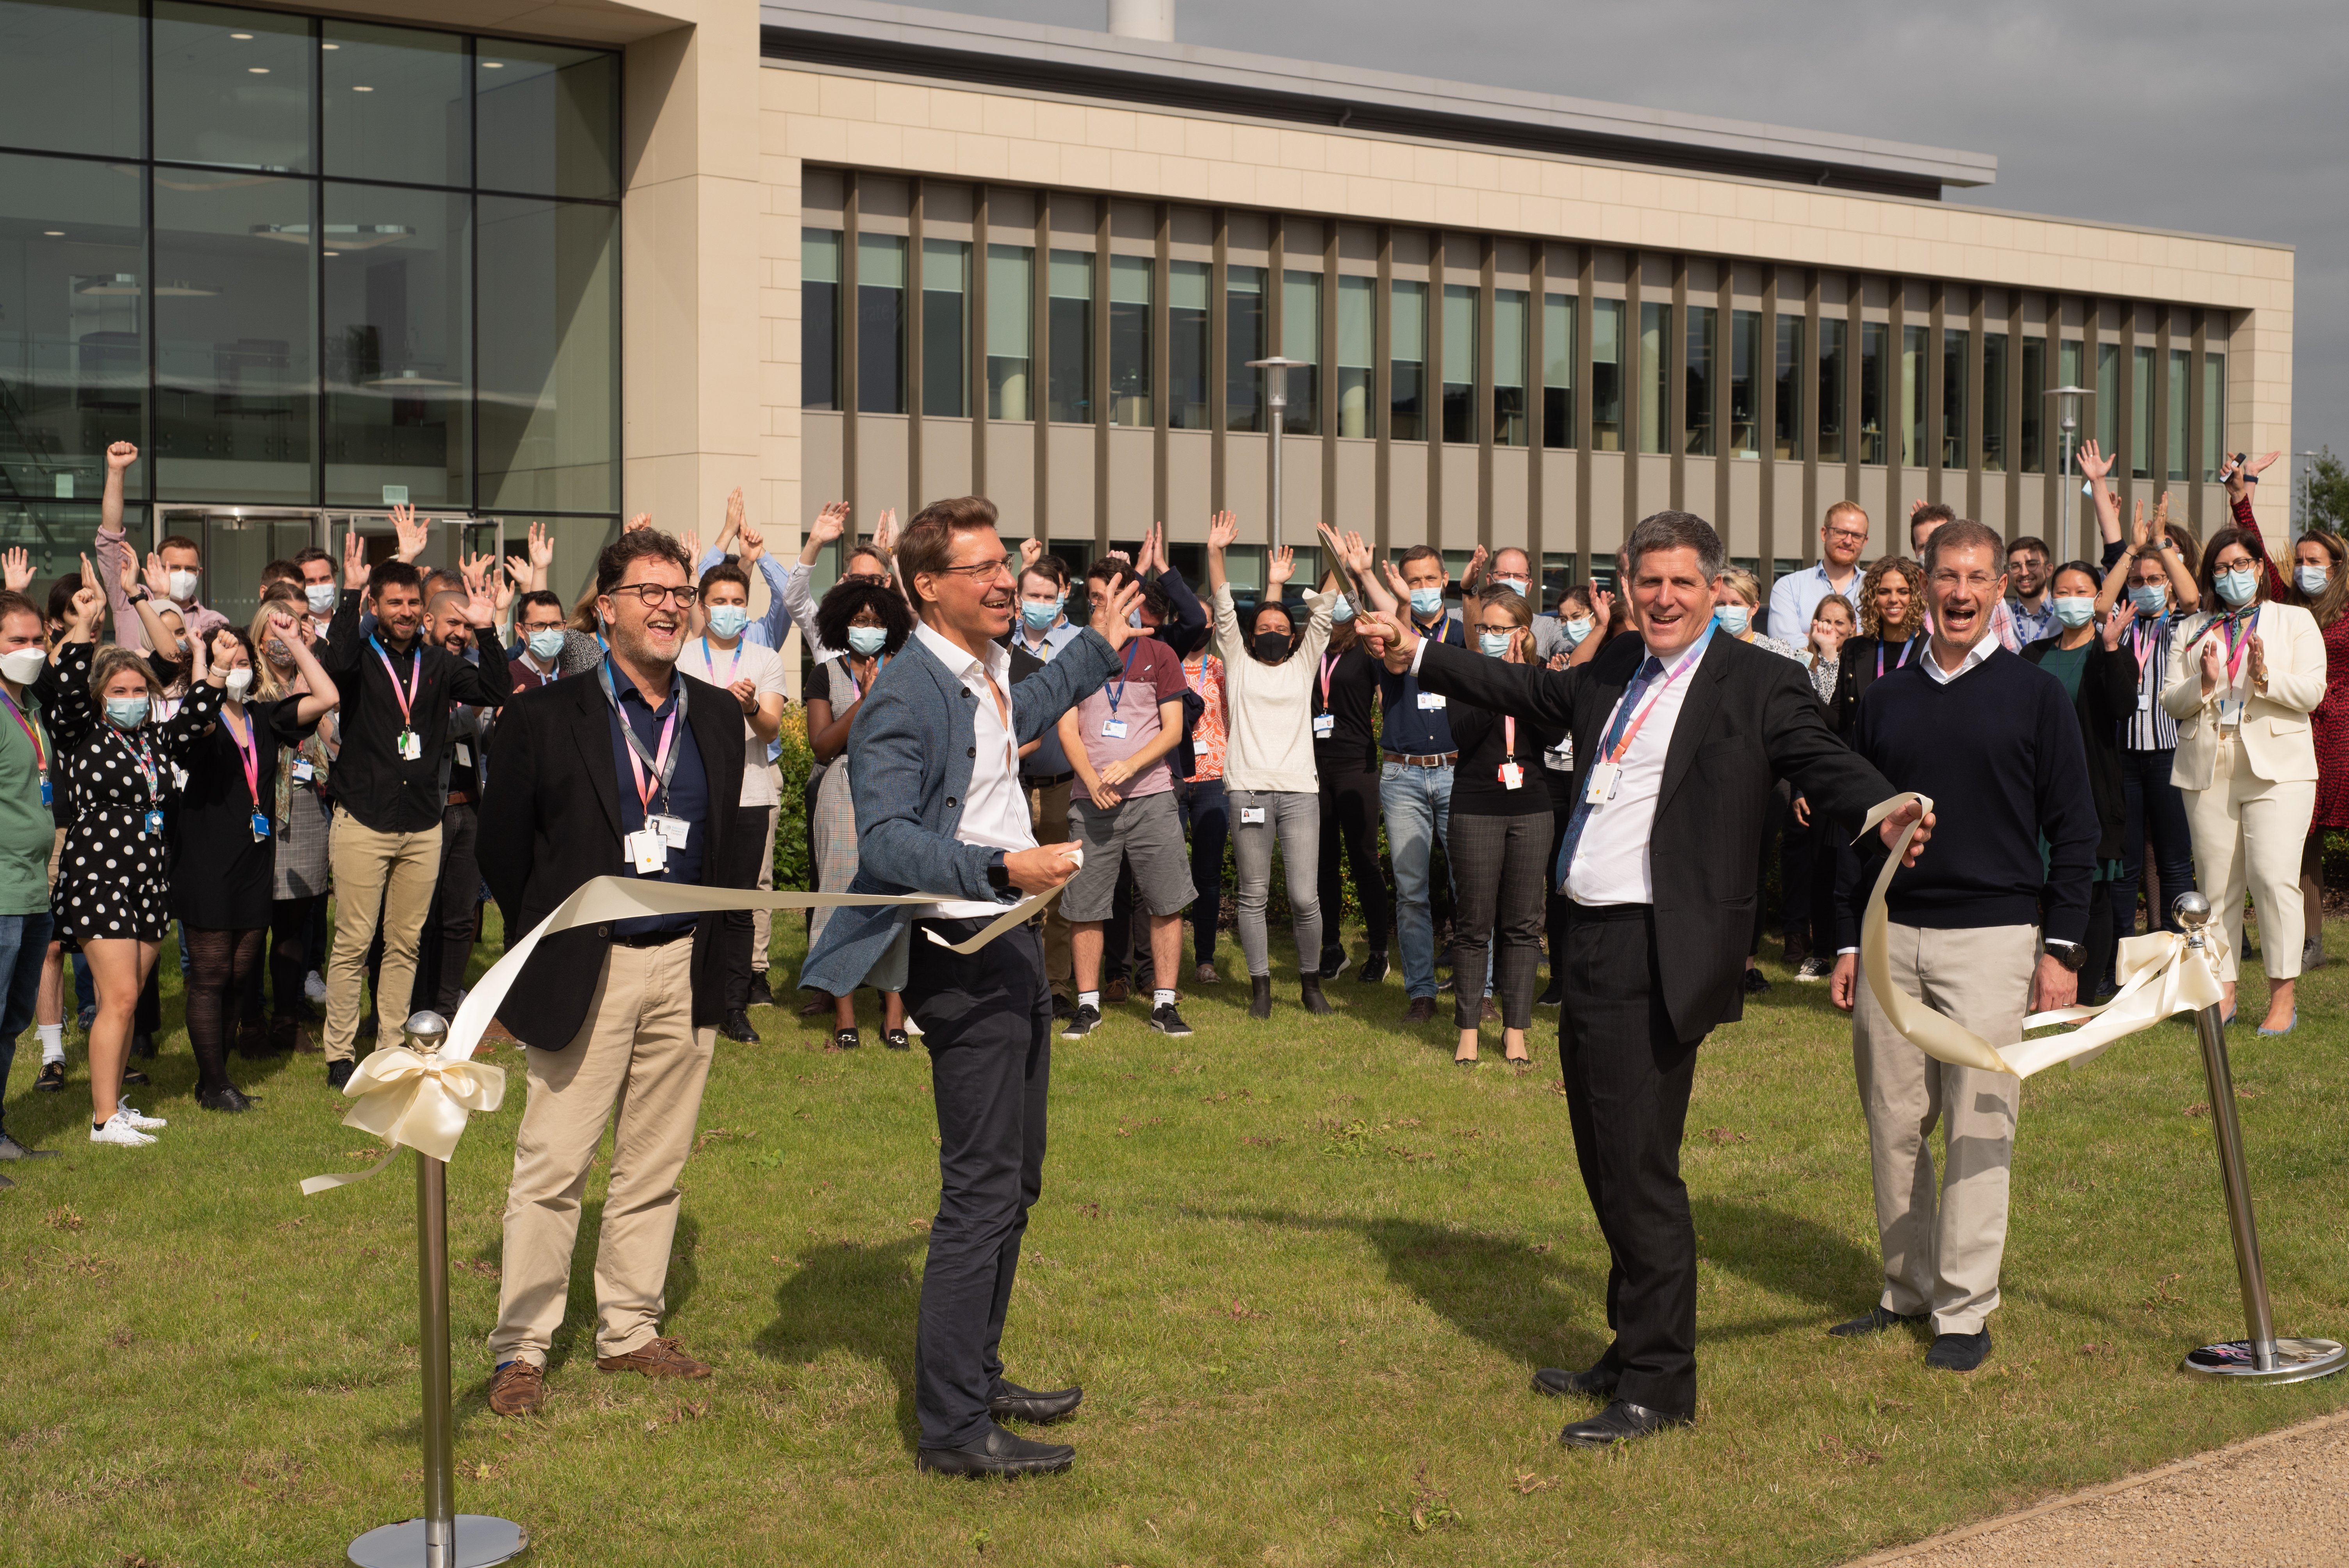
x,y
632,770
1677,736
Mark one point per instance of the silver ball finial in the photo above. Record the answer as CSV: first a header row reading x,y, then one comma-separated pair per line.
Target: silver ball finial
x,y
2192,910
427,1032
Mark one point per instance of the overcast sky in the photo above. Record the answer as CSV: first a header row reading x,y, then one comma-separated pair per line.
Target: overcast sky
x,y
2226,119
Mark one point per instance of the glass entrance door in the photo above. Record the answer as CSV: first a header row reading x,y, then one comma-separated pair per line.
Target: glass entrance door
x,y
237,542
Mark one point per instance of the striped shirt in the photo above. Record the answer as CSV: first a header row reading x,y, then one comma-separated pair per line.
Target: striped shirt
x,y
2150,728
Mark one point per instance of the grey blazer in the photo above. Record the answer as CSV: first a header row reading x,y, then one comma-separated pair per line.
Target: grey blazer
x,y
910,756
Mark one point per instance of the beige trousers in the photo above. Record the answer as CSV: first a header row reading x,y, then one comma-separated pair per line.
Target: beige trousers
x,y
2249,833
387,874
1048,812
763,920
638,1063
1943,1257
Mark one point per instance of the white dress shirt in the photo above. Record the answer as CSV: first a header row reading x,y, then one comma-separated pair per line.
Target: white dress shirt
x,y
994,808
1984,646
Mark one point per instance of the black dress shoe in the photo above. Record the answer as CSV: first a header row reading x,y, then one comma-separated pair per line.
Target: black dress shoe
x,y
1875,1320
997,1454
1554,996
1617,1423
1958,1352
132,1075
12,1150
52,1080
1597,1383
143,1045
339,1073
1013,1403
228,1098
1374,967
760,997
737,1026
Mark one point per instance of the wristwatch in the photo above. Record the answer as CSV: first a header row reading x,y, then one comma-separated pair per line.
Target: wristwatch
x,y
2072,955
999,873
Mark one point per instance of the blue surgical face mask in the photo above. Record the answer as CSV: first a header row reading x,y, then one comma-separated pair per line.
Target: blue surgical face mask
x,y
2074,610
1517,585
867,641
2148,597
321,596
1342,610
1576,630
2237,587
126,712
2312,579
1493,644
1039,613
728,620
1426,601
547,645
1732,618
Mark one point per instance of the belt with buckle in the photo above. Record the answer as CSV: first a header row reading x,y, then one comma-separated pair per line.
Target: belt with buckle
x,y
1408,760
1047,780
652,938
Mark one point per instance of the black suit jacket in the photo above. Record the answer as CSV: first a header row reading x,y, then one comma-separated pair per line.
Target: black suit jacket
x,y
550,820
1750,717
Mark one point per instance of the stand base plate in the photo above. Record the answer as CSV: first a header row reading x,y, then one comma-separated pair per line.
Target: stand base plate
x,y
482,1542
2296,1360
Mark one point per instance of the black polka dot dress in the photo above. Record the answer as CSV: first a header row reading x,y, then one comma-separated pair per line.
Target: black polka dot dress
x,y
114,876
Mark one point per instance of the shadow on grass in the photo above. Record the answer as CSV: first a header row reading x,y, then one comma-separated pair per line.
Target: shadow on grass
x,y
861,1299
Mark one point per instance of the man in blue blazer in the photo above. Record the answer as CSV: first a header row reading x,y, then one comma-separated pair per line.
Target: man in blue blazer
x,y
934,755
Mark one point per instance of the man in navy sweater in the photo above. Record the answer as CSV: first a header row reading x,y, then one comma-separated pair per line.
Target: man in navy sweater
x,y
1994,740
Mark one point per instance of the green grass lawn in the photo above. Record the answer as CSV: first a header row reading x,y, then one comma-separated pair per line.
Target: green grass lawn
x,y
1304,1270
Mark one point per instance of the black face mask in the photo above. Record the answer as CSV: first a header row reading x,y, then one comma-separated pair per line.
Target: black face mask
x,y
1271,648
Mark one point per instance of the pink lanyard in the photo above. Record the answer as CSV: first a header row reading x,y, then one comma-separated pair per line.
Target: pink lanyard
x,y
850,670
646,787
1631,730
1508,738
2235,630
1328,664
2142,644
709,663
415,680
249,753
1906,649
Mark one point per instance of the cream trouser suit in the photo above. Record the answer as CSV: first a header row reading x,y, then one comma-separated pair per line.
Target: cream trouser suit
x,y
2248,835
1943,1256
638,1063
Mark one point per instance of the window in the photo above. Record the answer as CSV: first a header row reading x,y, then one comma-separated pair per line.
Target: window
x,y
1994,372
1912,398
1655,373
548,327
2214,414
71,77
1557,369
2141,452
1131,281
2034,410
1833,367
1744,388
548,119
392,104
1243,340
1786,433
946,328
1459,362
1069,385
1011,332
1874,388
2109,399
2180,377
1703,333
1407,403
232,88
1300,339
1356,369
1509,411
2071,357
1186,345
880,323
1954,347
398,361
1607,375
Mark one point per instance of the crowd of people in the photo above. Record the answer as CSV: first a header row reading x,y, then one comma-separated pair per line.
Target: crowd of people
x,y
1491,782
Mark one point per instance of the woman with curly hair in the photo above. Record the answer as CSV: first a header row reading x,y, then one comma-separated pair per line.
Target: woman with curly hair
x,y
2320,585
1891,633
870,621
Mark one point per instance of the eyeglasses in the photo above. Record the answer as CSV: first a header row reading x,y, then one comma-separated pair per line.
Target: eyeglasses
x,y
1848,535
871,579
654,595
981,571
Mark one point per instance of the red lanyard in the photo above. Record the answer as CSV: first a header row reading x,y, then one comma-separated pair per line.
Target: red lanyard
x,y
40,752
249,753
709,663
1631,730
646,787
415,680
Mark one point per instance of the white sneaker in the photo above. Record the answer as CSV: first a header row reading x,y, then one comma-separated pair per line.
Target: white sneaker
x,y
117,1129
138,1118
314,986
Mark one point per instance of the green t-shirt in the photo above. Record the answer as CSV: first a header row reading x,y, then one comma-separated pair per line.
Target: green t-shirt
x,y
28,827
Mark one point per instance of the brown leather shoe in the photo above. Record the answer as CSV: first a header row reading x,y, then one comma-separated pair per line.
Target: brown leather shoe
x,y
1116,993
659,1358
1421,1009
518,1389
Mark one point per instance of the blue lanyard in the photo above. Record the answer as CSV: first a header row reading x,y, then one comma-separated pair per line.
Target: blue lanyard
x,y
1115,689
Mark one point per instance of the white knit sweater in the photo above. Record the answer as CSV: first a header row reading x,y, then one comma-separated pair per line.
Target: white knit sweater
x,y
1268,709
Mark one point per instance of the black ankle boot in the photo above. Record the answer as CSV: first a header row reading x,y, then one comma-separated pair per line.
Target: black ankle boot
x,y
1309,993
1259,996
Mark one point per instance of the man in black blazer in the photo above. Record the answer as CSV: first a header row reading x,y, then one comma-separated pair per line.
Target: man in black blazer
x,y
634,769
1678,736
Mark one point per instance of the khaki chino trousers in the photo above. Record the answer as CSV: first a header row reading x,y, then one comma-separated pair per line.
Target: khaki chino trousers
x,y
638,1064
377,876
1943,1241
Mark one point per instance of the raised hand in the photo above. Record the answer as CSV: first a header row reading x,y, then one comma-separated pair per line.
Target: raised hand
x,y
355,563
2214,667
212,654
542,548
120,456
89,604
19,569
2093,463
1152,559
885,532
1031,550
2259,661
2139,536
642,520
692,542
1222,530
734,518
1475,573
1280,566
2254,467
480,611
754,545
502,586
1391,630
1602,611
2115,624
2161,517
1395,584
474,570
1111,609
1357,553
413,535
830,524
518,578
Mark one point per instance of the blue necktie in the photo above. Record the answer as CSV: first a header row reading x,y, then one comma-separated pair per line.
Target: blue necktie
x,y
1649,671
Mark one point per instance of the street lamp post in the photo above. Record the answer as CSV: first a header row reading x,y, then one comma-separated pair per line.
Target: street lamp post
x,y
1276,384
2067,420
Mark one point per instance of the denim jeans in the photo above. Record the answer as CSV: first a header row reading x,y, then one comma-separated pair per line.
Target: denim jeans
x,y
2158,807
1417,805
24,945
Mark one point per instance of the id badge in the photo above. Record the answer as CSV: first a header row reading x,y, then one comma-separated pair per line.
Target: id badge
x,y
1559,759
179,777
672,829
1604,777
1325,724
260,827
464,755
46,798
303,770
646,851
2145,702
2231,715
411,746
1113,730
1513,776
1430,701
152,827
1251,816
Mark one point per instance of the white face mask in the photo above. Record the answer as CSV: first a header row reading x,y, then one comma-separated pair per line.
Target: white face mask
x,y
183,585
239,682
22,665
321,598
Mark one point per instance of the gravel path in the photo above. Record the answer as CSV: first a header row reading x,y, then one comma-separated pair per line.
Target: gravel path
x,y
2276,1501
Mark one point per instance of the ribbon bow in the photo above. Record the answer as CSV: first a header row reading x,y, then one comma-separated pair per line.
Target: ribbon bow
x,y
419,1100
2158,974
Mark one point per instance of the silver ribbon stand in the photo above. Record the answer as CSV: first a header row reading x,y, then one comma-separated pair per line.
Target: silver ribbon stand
x,y
2262,1358
443,1538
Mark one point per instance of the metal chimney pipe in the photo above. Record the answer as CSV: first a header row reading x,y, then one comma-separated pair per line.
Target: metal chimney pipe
x,y
1152,19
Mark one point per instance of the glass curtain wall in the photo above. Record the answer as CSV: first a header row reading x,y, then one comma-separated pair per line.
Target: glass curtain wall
x,y
1993,427
1407,410
1655,373
2140,451
1954,346
1186,345
1071,337
1011,335
1704,335
1510,414
1913,397
2035,405
1557,369
946,328
1300,339
1786,422
2180,377
1357,354
2108,397
1460,302
1131,281
1243,328
2214,415
1607,375
1745,386
1875,400
819,318
1834,336
880,323
310,262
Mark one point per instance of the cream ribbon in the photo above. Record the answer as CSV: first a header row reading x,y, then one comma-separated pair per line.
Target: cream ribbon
x,y
423,1100
2158,973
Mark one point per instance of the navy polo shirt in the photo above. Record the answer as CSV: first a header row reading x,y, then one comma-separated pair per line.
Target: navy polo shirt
x,y
687,796
1410,729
